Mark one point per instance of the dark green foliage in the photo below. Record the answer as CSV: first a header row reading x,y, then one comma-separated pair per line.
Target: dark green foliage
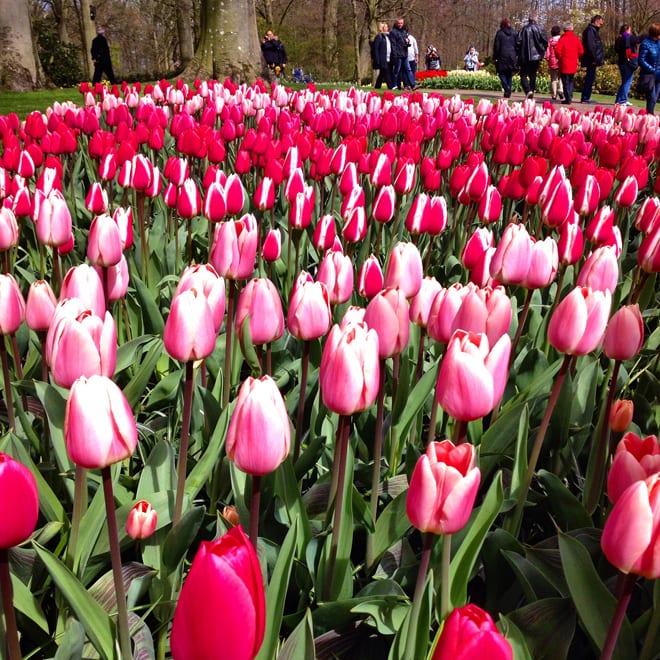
x,y
60,61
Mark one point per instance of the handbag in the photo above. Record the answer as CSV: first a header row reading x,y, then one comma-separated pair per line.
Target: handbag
x,y
645,83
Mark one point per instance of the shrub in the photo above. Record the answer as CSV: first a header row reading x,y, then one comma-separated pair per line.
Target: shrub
x,y
60,61
608,79
481,80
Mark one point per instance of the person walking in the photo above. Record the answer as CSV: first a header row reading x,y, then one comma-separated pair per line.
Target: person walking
x,y
504,55
413,55
101,57
593,55
531,45
649,66
274,53
401,74
569,50
553,64
380,56
625,47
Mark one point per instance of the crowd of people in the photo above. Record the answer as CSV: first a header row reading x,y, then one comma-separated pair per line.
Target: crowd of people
x,y
395,55
565,53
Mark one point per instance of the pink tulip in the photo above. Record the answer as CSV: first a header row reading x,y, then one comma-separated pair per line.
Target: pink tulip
x,y
54,224
189,200
624,335
19,502
142,520
355,227
480,240
118,277
259,434
235,195
8,229
648,215
443,488
350,370
324,233
626,193
477,182
513,255
635,459
301,208
124,219
85,283
99,427
259,305
189,332
490,205
381,173
336,272
421,302
444,307
405,269
370,278
97,199
264,195
12,306
470,633
600,271
309,315
587,196
632,532
543,266
40,306
84,345
578,323
234,250
205,279
384,204
389,315
404,177
472,375
601,225
104,244
224,583
648,255
621,415
571,243
415,221
558,206
214,206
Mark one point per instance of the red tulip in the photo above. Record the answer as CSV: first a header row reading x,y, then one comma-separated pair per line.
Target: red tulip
x,y
259,305
578,323
472,375
384,204
19,502
350,369
624,335
470,633
389,315
97,199
443,488
309,316
632,532
234,250
558,206
587,196
224,584
571,243
324,233
259,434
490,205
189,200
621,414
626,193
272,245
477,182
601,225
635,459
214,206
370,277
40,306
12,306
264,195
648,215
235,195
480,240
99,427
142,520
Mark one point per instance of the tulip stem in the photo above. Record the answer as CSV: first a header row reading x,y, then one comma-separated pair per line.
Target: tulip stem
x,y
625,586
422,571
9,399
57,276
304,369
228,337
343,430
13,646
654,626
254,510
378,450
79,506
445,599
602,451
115,556
514,522
521,322
183,447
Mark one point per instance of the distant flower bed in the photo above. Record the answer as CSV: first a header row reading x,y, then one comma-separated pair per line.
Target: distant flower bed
x,y
481,80
424,75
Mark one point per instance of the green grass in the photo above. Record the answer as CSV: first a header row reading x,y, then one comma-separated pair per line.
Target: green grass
x,y
22,103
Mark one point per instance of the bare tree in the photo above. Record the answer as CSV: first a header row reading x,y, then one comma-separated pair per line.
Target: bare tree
x,y
229,43
184,21
329,36
19,64
87,31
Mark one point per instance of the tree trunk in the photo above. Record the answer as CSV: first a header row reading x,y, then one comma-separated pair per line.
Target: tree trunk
x,y
329,36
19,68
184,17
229,43
61,12
87,33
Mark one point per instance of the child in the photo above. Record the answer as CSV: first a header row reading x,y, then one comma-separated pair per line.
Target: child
x,y
471,59
432,59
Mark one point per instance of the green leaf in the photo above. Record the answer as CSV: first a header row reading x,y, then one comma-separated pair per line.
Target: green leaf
x,y
548,626
134,389
498,439
158,473
98,625
516,638
465,558
415,402
594,602
180,538
532,580
566,508
292,510
72,642
520,463
391,526
27,604
276,594
153,320
300,643
417,624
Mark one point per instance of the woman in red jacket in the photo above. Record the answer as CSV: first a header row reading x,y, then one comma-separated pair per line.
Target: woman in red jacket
x,y
569,49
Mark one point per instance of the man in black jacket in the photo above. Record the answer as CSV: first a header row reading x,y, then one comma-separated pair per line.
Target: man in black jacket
x,y
101,57
401,73
531,44
593,55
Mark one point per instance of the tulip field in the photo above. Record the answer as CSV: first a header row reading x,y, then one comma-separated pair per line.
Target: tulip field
x,y
296,374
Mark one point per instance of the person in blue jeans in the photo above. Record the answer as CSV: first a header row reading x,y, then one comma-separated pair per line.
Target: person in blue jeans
x,y
593,55
626,50
399,56
649,65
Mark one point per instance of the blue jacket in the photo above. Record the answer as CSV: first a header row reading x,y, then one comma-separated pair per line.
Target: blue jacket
x,y
649,57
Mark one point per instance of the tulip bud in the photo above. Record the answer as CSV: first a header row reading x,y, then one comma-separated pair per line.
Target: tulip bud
x,y
205,279
388,314
621,414
324,233
336,272
272,246
104,244
230,514
405,269
224,583
142,520
513,255
97,199
234,250
443,488
370,277
648,255
189,332
12,305
8,229
84,283
600,271
19,502
384,204
99,427
259,434
421,302
624,335
309,315
40,306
